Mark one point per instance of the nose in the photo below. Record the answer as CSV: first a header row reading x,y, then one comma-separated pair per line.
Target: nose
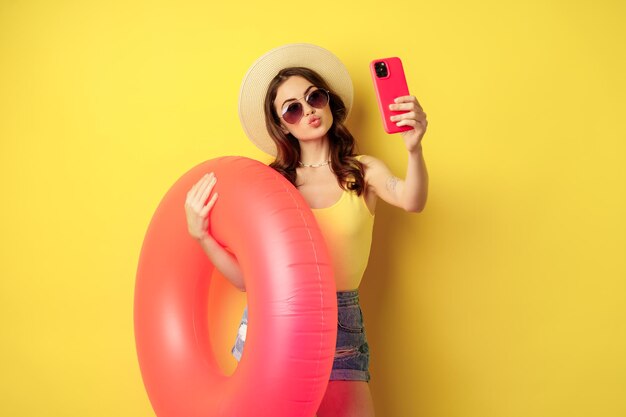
x,y
308,109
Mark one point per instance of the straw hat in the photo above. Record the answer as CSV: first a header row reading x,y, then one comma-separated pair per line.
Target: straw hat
x,y
258,77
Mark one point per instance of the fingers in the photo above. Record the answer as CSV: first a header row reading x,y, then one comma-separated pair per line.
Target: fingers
x,y
416,115
407,122
209,206
208,187
193,193
412,105
197,196
412,112
412,122
407,99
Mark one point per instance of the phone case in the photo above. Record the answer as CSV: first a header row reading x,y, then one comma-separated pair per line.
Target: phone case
x,y
387,88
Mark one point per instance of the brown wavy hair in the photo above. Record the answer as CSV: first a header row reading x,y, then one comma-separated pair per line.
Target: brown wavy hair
x,y
348,170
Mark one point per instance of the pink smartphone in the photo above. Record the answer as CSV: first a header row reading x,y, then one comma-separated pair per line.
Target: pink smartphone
x,y
389,83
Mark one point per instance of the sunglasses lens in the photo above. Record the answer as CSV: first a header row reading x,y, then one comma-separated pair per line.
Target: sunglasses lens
x,y
293,113
317,99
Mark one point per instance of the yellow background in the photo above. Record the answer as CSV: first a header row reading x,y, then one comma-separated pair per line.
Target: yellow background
x,y
506,297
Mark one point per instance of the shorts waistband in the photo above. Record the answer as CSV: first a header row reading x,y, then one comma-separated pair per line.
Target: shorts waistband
x,y
347,298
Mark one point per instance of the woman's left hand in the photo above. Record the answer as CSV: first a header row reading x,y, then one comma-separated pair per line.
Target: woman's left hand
x,y
414,117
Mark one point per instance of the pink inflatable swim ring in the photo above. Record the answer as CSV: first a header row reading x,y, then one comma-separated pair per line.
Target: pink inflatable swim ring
x,y
291,295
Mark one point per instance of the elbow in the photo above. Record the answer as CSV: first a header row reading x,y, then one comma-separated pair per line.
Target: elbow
x,y
416,206
413,208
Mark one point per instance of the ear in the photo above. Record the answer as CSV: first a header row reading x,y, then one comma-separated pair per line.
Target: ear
x,y
283,128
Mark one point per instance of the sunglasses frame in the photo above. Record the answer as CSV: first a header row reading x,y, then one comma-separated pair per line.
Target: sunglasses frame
x,y
286,109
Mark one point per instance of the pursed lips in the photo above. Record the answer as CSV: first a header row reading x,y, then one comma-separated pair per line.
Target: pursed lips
x,y
313,120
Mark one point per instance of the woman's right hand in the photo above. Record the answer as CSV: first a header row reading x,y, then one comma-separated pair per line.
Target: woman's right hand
x,y
197,207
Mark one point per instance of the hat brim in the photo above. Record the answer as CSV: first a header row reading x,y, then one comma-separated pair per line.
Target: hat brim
x,y
257,79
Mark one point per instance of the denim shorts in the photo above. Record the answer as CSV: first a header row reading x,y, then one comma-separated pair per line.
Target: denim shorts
x,y
352,354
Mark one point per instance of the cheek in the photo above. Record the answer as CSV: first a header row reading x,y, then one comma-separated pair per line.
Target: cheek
x,y
286,128
293,128
328,115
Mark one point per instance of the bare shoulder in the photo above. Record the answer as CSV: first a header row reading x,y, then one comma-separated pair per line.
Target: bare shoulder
x,y
373,165
370,194
379,179
366,159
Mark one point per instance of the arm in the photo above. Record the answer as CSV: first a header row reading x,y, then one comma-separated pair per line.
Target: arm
x,y
411,193
197,211
224,261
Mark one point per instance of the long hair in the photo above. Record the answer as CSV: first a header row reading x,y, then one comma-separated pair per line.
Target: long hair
x,y
348,170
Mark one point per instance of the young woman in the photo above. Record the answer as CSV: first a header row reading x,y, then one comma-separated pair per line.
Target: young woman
x,y
293,104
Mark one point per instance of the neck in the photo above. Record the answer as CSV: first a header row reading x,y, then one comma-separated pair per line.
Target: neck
x,y
315,151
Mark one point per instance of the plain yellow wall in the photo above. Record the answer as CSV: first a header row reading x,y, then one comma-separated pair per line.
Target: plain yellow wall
x,y
506,297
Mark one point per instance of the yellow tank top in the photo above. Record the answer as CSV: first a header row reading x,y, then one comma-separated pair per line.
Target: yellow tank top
x,y
347,228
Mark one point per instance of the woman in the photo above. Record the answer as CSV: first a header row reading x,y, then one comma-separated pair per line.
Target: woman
x,y
294,101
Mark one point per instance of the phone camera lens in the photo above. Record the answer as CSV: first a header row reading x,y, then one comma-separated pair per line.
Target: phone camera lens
x,y
381,69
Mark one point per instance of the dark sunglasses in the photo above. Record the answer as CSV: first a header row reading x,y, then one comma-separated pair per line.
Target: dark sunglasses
x,y
294,111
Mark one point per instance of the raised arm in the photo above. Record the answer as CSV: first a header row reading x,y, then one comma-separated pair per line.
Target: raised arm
x,y
197,210
411,193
